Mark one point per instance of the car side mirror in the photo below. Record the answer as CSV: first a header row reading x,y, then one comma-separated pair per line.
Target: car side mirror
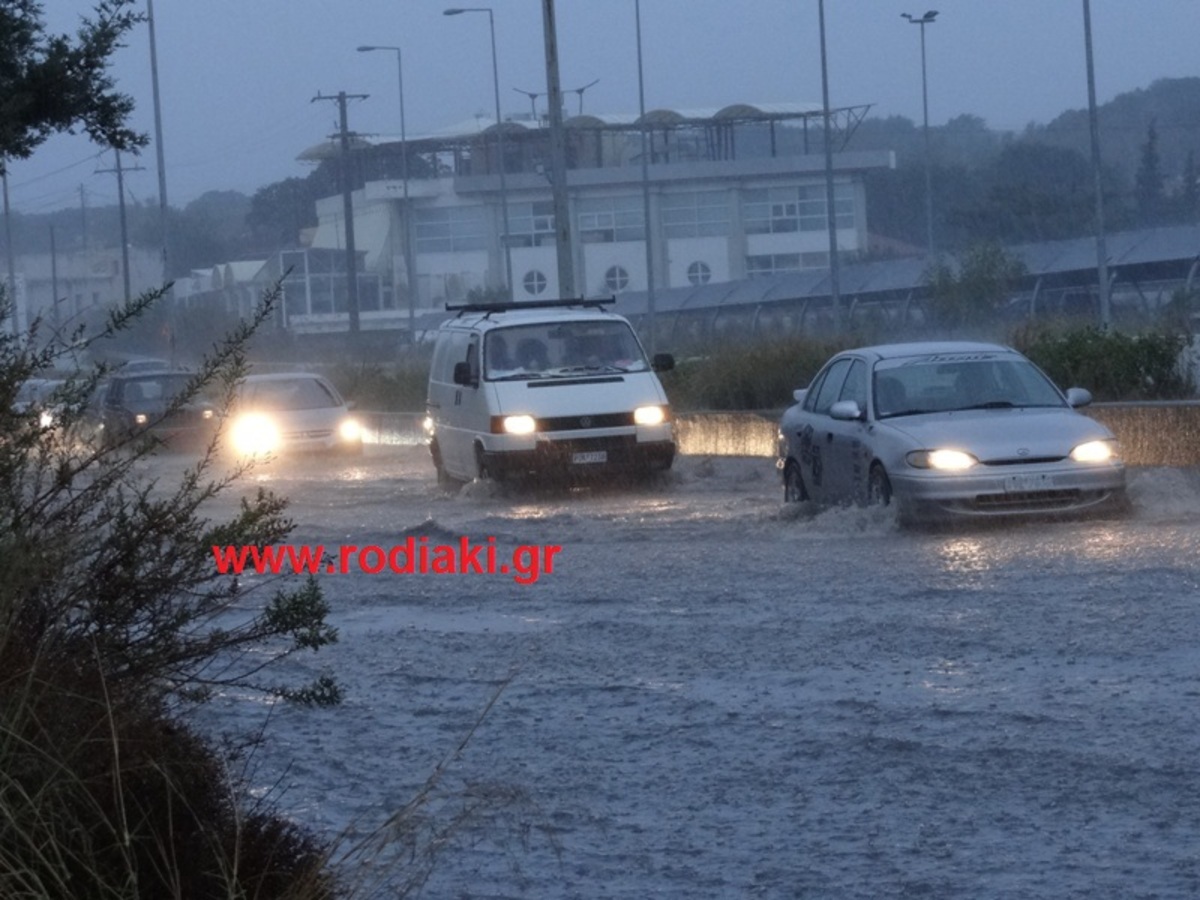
x,y
799,394
1077,397
462,374
662,362
350,404
845,411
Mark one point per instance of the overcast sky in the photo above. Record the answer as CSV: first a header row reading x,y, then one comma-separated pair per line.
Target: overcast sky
x,y
237,77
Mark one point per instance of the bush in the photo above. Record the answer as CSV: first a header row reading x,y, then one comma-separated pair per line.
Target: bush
x,y
1112,365
113,618
748,376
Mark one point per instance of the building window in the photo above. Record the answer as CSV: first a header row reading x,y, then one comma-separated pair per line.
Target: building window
x,y
699,273
535,282
783,210
450,229
607,220
616,279
696,214
531,224
772,264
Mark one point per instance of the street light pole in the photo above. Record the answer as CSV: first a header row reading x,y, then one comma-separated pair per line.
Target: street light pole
x,y
924,20
499,140
409,261
651,325
835,286
1094,127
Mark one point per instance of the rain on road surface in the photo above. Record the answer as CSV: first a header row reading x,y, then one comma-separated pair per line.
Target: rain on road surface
x,y
713,695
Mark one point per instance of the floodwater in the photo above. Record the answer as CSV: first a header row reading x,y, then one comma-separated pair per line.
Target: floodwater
x,y
712,695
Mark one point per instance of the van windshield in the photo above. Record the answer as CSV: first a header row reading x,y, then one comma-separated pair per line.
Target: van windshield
x,y
561,349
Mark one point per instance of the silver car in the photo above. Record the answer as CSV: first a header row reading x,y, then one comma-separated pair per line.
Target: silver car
x,y
946,430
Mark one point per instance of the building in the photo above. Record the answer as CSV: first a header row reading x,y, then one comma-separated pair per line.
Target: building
x,y
734,193
64,287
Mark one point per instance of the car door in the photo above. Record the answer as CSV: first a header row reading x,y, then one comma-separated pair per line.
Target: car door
x,y
846,457
815,437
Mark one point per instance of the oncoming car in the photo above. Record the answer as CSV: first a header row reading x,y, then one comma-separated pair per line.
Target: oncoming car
x,y
291,412
150,403
947,430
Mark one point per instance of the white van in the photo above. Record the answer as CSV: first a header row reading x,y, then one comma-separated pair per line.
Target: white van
x,y
545,388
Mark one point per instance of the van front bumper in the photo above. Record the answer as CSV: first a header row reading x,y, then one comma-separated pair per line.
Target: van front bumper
x,y
614,454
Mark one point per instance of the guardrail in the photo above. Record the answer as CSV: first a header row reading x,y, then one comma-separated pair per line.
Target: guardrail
x,y
1151,433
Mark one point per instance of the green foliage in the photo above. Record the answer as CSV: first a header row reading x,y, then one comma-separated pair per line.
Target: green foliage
x,y
759,375
113,617
51,83
398,387
1112,365
970,296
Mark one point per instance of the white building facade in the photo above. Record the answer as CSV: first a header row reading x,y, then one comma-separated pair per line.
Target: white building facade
x,y
733,194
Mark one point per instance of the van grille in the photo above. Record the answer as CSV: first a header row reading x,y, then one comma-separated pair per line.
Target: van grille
x,y
579,423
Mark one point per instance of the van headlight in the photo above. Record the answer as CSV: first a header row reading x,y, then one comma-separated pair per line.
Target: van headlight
x,y
519,425
649,415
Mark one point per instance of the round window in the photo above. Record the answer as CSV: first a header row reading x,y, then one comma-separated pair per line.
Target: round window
x,y
535,282
699,273
616,279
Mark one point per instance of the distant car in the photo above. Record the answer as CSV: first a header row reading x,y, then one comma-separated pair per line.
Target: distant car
x,y
36,394
947,430
291,412
131,404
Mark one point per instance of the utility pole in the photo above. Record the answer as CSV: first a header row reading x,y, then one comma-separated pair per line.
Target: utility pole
x,y
558,157
8,249
344,136
120,171
1097,173
54,316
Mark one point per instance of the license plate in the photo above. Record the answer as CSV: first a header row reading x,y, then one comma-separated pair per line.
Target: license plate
x,y
1023,484
590,456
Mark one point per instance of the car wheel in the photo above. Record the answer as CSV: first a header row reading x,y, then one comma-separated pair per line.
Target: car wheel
x,y
483,472
879,488
793,484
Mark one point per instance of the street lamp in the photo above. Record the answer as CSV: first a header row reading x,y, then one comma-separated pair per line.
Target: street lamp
x,y
652,328
409,262
456,11
1094,128
924,20
835,278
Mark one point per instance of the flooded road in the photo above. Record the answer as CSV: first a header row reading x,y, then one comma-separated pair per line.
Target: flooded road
x,y
712,695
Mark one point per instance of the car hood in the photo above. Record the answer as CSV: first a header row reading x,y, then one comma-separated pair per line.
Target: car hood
x,y
1001,433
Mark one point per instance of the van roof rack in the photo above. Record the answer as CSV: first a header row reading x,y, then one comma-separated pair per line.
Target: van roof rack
x,y
507,305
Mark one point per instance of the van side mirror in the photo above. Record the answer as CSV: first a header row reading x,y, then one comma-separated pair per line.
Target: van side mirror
x,y
662,362
462,374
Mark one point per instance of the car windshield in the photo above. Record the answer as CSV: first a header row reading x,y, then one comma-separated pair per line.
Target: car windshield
x,y
290,393
945,382
154,390
561,349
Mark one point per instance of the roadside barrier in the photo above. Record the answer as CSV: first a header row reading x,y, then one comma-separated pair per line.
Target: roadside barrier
x,y
1165,433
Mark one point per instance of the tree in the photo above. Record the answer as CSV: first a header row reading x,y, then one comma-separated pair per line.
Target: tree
x,y
51,83
1148,183
970,296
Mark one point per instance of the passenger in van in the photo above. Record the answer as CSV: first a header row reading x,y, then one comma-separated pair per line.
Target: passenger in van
x,y
499,362
532,356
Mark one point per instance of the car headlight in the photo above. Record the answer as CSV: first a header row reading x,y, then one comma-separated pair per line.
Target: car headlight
x,y
254,434
519,425
1095,451
350,431
943,460
45,418
140,419
649,415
